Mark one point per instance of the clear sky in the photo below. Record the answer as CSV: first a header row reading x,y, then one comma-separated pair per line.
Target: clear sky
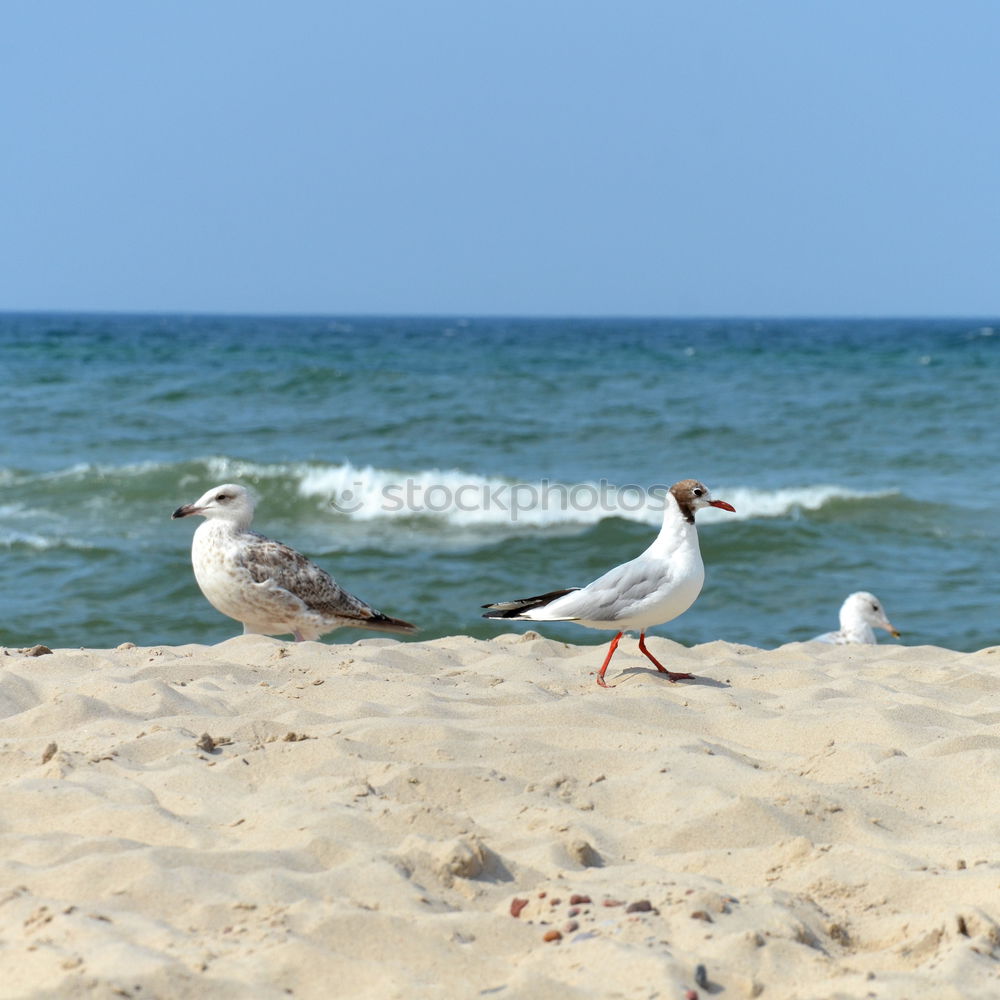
x,y
531,157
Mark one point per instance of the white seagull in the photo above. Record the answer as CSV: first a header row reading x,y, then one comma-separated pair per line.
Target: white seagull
x,y
860,615
269,587
653,588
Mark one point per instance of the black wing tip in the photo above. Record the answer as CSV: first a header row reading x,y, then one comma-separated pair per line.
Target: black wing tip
x,y
386,624
514,609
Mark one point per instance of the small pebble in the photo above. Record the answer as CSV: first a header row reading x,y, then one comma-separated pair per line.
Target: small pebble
x,y
552,936
701,915
49,752
206,743
555,902
701,977
691,995
639,906
516,905
38,650
612,902
576,900
573,911
570,926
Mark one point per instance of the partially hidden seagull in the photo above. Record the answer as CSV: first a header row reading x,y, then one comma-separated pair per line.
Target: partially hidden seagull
x,y
269,587
653,588
860,615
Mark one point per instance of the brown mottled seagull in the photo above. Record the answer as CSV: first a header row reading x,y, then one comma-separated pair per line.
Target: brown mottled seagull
x,y
269,587
655,587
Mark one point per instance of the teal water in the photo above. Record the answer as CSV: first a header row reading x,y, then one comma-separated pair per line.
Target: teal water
x,y
859,455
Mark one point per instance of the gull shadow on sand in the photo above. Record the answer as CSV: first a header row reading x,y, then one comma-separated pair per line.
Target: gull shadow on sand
x,y
697,680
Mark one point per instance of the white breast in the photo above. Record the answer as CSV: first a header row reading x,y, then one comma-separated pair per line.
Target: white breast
x,y
231,590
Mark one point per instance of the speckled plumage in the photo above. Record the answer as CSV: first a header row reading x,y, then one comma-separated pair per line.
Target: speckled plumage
x,y
266,585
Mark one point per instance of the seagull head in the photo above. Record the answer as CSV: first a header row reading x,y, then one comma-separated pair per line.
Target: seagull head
x,y
866,608
692,495
228,502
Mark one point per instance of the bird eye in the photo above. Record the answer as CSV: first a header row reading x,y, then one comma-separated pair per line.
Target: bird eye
x,y
697,491
222,497
874,607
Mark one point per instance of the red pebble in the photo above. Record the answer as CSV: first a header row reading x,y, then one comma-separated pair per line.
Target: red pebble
x,y
555,902
691,995
552,936
612,902
516,905
542,894
576,900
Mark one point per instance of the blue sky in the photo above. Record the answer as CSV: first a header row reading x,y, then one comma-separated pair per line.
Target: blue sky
x,y
531,157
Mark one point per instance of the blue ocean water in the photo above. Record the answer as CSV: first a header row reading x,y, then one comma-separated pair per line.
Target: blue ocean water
x,y
433,465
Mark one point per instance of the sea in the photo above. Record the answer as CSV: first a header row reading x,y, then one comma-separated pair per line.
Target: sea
x,y
432,465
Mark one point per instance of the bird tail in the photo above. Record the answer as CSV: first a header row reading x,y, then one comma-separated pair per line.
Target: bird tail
x,y
386,624
515,609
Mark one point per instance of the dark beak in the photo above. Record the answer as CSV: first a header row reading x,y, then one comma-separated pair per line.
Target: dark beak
x,y
185,511
711,503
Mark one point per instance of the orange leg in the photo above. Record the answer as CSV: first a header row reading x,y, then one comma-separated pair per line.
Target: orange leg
x,y
659,666
607,659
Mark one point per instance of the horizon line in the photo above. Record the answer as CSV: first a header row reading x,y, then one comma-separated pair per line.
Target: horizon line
x,y
459,316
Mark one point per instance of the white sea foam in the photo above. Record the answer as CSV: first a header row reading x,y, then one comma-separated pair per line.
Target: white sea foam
x,y
465,499
11,539
455,498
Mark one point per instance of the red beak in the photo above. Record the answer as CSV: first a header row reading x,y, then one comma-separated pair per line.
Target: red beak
x,y
722,504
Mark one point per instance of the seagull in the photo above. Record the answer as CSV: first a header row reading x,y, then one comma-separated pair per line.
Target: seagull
x,y
653,588
860,615
269,587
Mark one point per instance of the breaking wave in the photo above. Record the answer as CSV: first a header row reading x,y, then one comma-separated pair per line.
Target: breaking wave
x,y
445,497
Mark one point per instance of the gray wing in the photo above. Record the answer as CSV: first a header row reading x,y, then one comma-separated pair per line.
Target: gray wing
x,y
268,561
620,593
833,638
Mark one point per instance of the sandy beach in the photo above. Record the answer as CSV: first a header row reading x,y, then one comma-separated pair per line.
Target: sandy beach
x,y
463,818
